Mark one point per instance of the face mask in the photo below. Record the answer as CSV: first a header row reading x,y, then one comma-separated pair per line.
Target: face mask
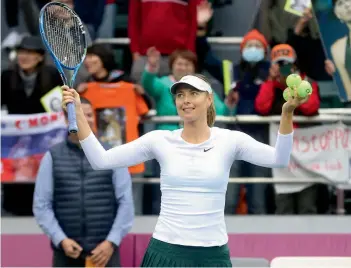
x,y
253,54
285,69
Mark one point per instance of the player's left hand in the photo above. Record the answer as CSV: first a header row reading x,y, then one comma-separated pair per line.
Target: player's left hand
x,y
293,102
102,253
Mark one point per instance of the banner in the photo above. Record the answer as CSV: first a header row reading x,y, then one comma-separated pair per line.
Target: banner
x,y
318,152
24,141
334,21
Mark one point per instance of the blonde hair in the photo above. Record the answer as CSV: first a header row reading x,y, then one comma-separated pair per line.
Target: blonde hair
x,y
211,115
211,111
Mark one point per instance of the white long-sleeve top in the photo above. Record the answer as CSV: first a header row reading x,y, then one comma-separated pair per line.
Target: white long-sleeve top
x,y
194,177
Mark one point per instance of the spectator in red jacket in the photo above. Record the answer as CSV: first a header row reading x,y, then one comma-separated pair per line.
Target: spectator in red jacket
x,y
290,199
269,99
167,25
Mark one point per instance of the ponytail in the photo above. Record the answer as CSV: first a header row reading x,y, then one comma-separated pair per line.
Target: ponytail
x,y
211,115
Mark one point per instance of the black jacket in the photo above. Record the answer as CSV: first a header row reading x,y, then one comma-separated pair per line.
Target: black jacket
x,y
14,96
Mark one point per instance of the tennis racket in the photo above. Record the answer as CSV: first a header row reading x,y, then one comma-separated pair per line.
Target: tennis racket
x,y
63,34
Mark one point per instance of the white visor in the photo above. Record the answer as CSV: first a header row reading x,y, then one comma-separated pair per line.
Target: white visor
x,y
192,81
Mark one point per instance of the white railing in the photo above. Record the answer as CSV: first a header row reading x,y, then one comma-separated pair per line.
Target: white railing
x,y
211,40
256,119
330,112
340,111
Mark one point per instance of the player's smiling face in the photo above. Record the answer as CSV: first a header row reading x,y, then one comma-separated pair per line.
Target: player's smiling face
x,y
192,104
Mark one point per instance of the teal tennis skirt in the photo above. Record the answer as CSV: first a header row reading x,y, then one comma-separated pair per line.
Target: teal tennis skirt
x,y
162,254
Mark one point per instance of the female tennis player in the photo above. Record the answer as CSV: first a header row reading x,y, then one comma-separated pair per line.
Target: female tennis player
x,y
195,163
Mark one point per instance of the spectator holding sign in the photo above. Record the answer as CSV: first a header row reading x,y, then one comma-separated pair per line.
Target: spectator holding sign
x,y
305,40
290,199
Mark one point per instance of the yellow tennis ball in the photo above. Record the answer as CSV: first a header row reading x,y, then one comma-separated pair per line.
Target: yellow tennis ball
x,y
304,89
293,80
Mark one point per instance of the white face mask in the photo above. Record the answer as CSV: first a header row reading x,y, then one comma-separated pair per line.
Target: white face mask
x,y
253,54
342,10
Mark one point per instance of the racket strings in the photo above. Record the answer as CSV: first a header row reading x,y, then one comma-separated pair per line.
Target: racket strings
x,y
64,35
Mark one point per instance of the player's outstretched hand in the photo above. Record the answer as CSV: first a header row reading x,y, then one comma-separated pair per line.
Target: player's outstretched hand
x,y
293,101
70,95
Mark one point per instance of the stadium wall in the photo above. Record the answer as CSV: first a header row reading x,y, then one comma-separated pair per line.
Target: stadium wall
x,y
24,244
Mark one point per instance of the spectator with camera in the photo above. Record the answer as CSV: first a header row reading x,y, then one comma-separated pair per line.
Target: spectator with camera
x,y
299,198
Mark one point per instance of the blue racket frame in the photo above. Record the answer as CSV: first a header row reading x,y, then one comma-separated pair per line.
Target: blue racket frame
x,y
73,71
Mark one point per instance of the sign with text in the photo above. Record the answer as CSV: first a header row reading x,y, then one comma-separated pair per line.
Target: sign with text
x,y
24,141
318,152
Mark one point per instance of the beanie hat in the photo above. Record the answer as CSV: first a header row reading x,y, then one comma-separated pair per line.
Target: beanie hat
x,y
254,35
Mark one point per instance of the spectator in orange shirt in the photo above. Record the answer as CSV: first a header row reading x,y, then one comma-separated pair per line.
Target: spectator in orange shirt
x,y
101,67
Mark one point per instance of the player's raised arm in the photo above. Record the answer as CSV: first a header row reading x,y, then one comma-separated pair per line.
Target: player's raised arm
x,y
250,150
126,155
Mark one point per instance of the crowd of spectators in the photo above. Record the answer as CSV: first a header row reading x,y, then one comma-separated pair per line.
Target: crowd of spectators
x,y
168,41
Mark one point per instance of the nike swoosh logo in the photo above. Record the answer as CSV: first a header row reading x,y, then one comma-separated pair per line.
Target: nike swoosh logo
x,y
206,150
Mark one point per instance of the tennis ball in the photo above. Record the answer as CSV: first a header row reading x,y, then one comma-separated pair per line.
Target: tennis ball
x,y
304,89
293,80
286,94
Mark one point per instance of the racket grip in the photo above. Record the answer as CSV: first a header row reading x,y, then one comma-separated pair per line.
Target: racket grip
x,y
72,120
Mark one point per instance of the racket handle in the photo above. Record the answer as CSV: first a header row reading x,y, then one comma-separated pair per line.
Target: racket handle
x,y
72,120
